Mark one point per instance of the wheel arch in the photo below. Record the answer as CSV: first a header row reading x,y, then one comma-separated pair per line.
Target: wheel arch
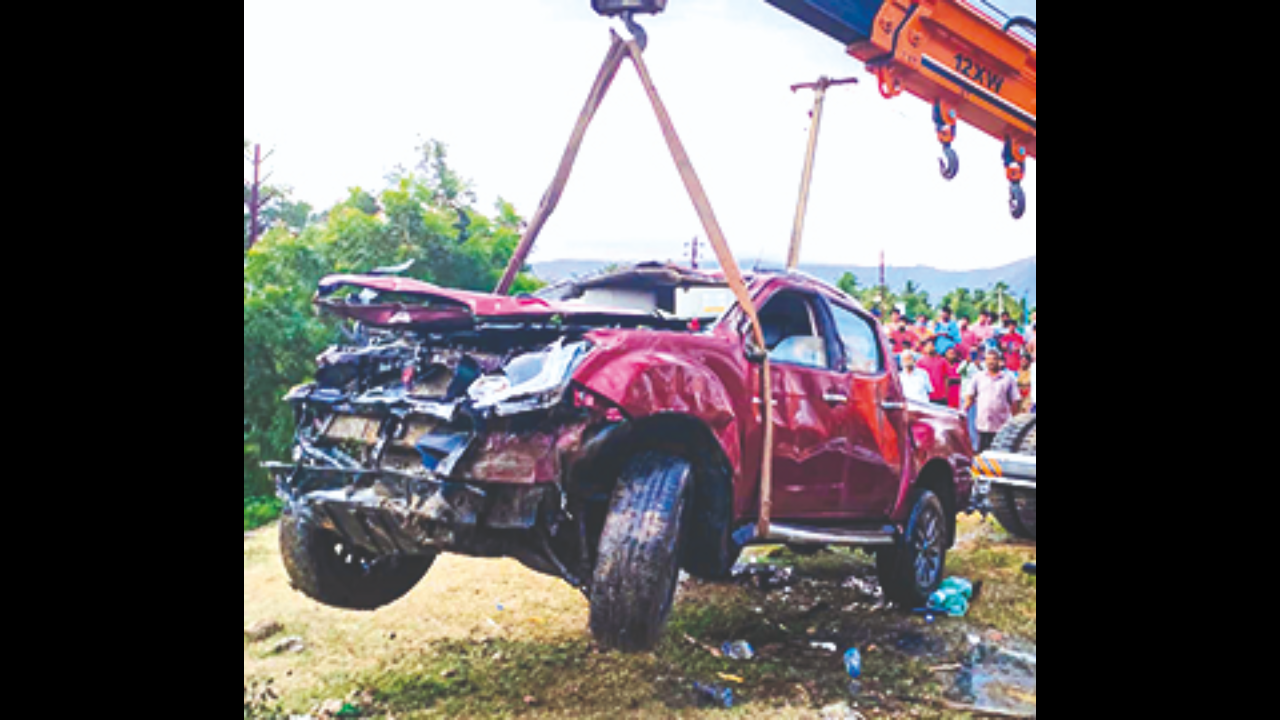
x,y
686,437
939,477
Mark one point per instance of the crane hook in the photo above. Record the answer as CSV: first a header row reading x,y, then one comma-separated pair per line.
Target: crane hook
x,y
946,118
638,32
1018,201
951,164
1015,161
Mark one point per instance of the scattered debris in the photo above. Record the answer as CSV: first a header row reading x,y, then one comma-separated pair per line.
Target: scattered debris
x,y
867,588
714,695
764,577
955,597
740,650
715,652
262,630
290,645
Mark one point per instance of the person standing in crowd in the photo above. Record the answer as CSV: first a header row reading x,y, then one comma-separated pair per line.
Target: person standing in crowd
x,y
968,339
940,372
969,371
915,381
1013,344
985,329
1035,383
1025,383
900,335
955,382
995,394
946,331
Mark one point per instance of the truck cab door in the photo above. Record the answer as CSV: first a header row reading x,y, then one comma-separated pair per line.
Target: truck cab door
x,y
811,449
876,418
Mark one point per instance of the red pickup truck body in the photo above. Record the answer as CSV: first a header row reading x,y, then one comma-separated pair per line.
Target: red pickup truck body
x,y
495,426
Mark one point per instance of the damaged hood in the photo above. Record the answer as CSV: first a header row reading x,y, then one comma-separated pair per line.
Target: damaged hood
x,y
393,302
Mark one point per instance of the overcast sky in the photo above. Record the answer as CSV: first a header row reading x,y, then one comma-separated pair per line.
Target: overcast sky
x,y
343,91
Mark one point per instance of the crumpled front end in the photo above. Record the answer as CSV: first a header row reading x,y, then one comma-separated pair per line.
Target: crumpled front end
x,y
412,444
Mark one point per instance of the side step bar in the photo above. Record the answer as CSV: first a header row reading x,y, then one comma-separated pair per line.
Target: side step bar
x,y
798,535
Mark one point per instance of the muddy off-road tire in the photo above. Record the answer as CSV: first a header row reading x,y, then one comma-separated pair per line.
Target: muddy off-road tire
x,y
1015,508
639,568
345,578
915,567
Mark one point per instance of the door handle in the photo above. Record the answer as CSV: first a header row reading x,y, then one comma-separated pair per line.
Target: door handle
x,y
893,406
836,398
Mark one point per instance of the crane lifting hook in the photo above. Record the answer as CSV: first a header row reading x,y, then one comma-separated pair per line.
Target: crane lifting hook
x,y
946,119
1015,161
638,32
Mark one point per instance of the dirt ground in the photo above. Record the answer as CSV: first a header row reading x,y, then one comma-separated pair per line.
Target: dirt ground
x,y
491,639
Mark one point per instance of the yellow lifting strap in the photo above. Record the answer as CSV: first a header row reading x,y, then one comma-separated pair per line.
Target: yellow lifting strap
x,y
619,51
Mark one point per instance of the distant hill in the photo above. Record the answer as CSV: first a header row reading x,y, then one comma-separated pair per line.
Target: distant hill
x,y
1020,276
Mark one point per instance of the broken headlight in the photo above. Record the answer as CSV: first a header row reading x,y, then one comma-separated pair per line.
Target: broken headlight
x,y
536,381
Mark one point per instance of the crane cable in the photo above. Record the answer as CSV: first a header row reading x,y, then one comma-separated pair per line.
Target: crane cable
x,y
619,51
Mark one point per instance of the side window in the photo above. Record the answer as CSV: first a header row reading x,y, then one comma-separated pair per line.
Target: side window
x,y
861,342
792,331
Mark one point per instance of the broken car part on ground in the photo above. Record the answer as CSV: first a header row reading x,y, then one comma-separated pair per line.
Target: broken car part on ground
x,y
608,433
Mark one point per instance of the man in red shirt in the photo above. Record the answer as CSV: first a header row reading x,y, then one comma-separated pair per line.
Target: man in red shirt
x,y
1012,343
954,381
940,372
900,335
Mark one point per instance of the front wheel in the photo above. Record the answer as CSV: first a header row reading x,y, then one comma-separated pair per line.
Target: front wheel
x,y
639,569
915,567
321,567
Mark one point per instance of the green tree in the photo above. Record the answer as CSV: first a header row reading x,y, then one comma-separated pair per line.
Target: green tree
x,y
916,301
414,218
961,302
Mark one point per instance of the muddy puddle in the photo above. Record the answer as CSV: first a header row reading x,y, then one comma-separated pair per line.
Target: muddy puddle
x,y
1000,677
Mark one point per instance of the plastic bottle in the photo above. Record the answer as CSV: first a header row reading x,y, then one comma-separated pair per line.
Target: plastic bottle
x,y
853,663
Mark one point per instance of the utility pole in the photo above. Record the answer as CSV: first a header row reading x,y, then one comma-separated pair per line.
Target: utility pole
x,y
694,246
884,287
802,208
257,198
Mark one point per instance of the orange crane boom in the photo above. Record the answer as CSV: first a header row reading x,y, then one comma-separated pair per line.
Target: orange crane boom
x,y
960,56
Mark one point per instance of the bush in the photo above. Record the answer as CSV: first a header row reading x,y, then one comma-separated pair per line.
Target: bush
x,y
259,511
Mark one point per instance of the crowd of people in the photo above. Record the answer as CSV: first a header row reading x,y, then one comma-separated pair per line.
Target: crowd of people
x,y
985,369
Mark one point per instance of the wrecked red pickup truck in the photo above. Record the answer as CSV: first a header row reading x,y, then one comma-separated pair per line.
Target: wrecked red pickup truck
x,y
608,432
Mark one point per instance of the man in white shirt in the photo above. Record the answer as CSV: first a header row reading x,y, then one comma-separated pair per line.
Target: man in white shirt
x,y
915,381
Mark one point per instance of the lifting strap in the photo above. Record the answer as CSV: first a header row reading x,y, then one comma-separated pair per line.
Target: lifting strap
x,y
619,51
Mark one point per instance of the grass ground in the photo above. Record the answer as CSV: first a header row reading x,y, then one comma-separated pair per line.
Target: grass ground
x,y
491,639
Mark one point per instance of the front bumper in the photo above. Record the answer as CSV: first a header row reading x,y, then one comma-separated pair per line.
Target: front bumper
x,y
392,513
997,469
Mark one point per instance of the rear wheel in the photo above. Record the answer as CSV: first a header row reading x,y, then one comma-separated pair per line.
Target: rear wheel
x,y
640,550
321,567
915,567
